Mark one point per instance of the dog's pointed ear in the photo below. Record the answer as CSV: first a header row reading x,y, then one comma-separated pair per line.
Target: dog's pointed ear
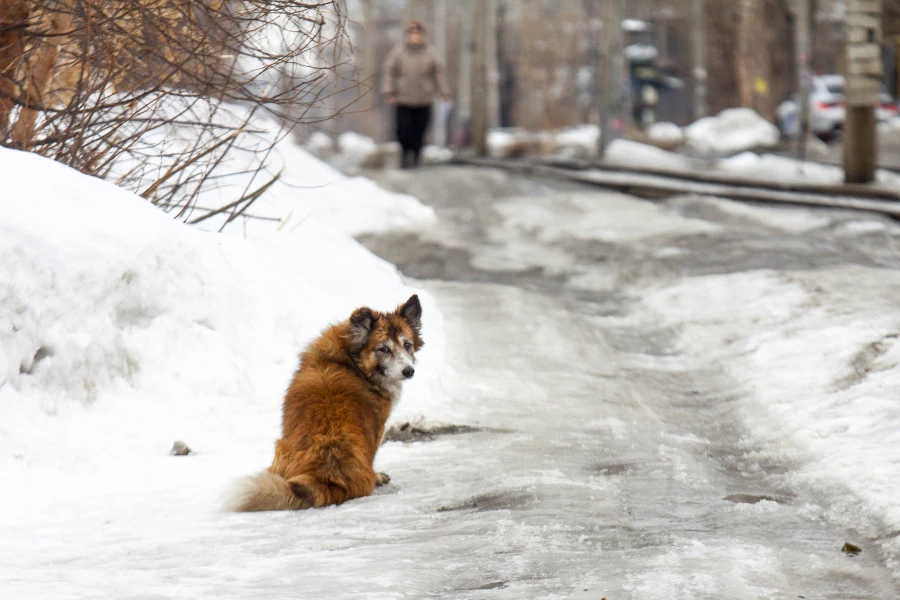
x,y
412,312
361,322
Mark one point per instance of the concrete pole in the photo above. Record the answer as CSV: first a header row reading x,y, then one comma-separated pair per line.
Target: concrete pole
x,y
480,119
864,71
700,71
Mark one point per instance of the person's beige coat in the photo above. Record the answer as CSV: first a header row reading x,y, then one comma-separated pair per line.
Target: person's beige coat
x,y
413,74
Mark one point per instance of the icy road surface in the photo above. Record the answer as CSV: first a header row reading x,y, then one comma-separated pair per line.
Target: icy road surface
x,y
692,399
700,395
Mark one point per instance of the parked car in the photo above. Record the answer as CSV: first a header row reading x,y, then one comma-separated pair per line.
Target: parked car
x,y
828,108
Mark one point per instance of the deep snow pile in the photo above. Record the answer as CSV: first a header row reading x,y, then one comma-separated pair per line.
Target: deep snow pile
x,y
731,131
122,330
307,189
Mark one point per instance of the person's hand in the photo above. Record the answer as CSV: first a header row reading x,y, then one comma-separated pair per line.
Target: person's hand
x,y
446,98
392,99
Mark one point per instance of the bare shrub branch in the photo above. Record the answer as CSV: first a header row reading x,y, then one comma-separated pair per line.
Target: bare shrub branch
x,y
156,94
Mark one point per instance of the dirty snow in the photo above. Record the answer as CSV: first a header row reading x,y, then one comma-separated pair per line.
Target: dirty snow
x,y
610,217
818,353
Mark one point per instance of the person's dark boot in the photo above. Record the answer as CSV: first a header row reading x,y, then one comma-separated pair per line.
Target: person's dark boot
x,y
405,161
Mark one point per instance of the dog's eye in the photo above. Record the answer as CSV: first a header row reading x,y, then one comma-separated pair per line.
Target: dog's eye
x,y
384,350
408,346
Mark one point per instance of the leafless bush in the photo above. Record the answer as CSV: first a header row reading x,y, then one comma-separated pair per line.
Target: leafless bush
x,y
169,98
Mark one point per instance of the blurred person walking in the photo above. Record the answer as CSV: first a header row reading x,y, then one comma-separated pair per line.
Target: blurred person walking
x,y
412,75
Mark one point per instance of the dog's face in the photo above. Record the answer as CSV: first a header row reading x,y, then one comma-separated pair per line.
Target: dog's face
x,y
385,344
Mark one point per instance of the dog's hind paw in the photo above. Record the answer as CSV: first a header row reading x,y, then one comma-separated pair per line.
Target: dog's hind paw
x,y
382,479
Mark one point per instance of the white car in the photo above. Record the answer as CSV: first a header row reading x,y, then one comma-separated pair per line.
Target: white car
x,y
828,109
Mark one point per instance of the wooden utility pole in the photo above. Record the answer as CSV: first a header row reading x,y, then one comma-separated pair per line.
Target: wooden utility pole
x,y
700,71
480,120
863,89
611,88
804,30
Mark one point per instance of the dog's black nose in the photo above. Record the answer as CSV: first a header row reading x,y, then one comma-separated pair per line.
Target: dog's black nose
x,y
408,372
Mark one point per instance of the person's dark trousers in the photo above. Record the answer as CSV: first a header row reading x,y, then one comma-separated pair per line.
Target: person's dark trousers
x,y
412,123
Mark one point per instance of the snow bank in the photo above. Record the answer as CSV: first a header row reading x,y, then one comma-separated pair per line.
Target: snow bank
x,y
766,168
668,134
733,130
319,144
827,342
307,190
356,146
582,140
503,143
122,330
625,153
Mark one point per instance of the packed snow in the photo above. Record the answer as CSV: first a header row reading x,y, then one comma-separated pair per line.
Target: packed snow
x,y
817,354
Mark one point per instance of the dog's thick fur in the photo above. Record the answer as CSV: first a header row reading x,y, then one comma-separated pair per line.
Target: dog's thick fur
x,y
335,411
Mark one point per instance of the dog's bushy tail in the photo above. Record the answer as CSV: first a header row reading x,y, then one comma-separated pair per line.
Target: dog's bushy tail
x,y
264,491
